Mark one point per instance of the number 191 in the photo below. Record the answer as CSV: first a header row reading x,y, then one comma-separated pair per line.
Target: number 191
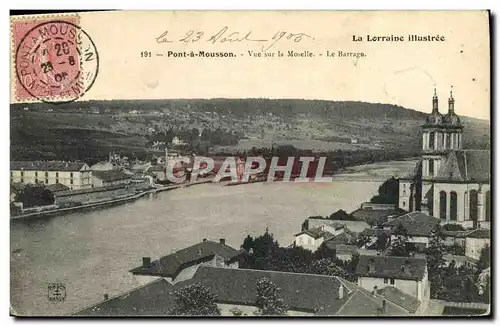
x,y
145,54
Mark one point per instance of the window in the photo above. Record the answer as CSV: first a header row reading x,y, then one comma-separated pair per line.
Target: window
x,y
442,205
431,166
36,180
46,180
57,180
473,205
36,174
22,174
404,204
404,190
309,241
71,174
453,206
57,174
393,281
386,280
71,181
22,180
431,140
448,141
46,175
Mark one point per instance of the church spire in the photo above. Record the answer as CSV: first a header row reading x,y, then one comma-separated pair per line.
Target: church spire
x,y
451,102
435,107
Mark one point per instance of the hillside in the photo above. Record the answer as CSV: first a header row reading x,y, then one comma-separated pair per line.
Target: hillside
x,y
100,126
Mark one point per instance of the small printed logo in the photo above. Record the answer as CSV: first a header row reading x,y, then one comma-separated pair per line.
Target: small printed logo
x,y
56,292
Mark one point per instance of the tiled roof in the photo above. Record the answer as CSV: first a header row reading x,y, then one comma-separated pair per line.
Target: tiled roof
x,y
363,303
342,249
466,166
372,216
369,232
400,298
345,237
110,176
318,222
47,166
311,293
408,268
170,265
302,292
316,233
415,223
153,299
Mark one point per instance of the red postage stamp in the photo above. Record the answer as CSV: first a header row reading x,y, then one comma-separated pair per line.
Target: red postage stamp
x,y
55,60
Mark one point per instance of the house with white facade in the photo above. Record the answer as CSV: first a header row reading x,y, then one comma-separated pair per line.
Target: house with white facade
x,y
312,239
406,274
74,175
182,264
475,241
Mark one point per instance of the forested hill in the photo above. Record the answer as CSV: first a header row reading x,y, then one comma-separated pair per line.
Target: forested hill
x,y
308,124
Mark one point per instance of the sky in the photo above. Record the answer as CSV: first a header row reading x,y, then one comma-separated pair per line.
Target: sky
x,y
401,73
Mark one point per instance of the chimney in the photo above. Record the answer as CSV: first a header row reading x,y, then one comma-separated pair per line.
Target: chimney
x,y
222,241
146,262
204,239
384,306
106,296
341,292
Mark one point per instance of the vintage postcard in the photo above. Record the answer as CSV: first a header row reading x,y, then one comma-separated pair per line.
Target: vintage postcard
x,y
250,163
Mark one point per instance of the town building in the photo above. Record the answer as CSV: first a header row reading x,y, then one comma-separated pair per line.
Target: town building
x,y
418,227
340,217
110,178
103,166
312,239
449,182
236,294
475,241
74,175
406,274
182,264
376,214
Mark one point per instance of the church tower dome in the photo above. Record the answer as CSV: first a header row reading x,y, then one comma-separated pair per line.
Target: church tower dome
x,y
451,118
434,118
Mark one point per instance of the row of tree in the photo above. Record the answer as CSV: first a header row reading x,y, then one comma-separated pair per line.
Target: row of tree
x,y
198,300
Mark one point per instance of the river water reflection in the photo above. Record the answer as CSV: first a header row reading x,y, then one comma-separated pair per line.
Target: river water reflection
x,y
91,252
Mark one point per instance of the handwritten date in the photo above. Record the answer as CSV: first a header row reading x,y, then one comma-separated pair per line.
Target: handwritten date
x,y
224,35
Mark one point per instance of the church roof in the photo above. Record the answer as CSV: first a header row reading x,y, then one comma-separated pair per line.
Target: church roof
x,y
466,166
434,118
452,119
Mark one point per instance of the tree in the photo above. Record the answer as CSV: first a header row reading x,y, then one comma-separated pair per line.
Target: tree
x,y
195,300
388,192
362,240
248,243
382,241
398,244
484,258
435,261
269,299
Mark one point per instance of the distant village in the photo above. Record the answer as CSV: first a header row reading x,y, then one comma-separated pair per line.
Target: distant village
x,y
420,247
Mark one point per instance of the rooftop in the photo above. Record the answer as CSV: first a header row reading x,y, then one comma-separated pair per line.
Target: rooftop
x,y
415,223
400,298
376,216
171,265
408,268
466,166
316,233
47,166
110,176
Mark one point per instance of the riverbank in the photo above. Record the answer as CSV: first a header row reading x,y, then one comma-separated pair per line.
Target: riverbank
x,y
102,204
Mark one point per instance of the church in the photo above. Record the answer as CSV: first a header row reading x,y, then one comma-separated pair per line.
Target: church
x,y
448,182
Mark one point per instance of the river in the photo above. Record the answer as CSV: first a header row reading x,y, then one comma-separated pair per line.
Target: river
x,y
91,252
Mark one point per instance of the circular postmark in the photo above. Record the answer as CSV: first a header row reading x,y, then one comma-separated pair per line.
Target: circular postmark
x,y
56,62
